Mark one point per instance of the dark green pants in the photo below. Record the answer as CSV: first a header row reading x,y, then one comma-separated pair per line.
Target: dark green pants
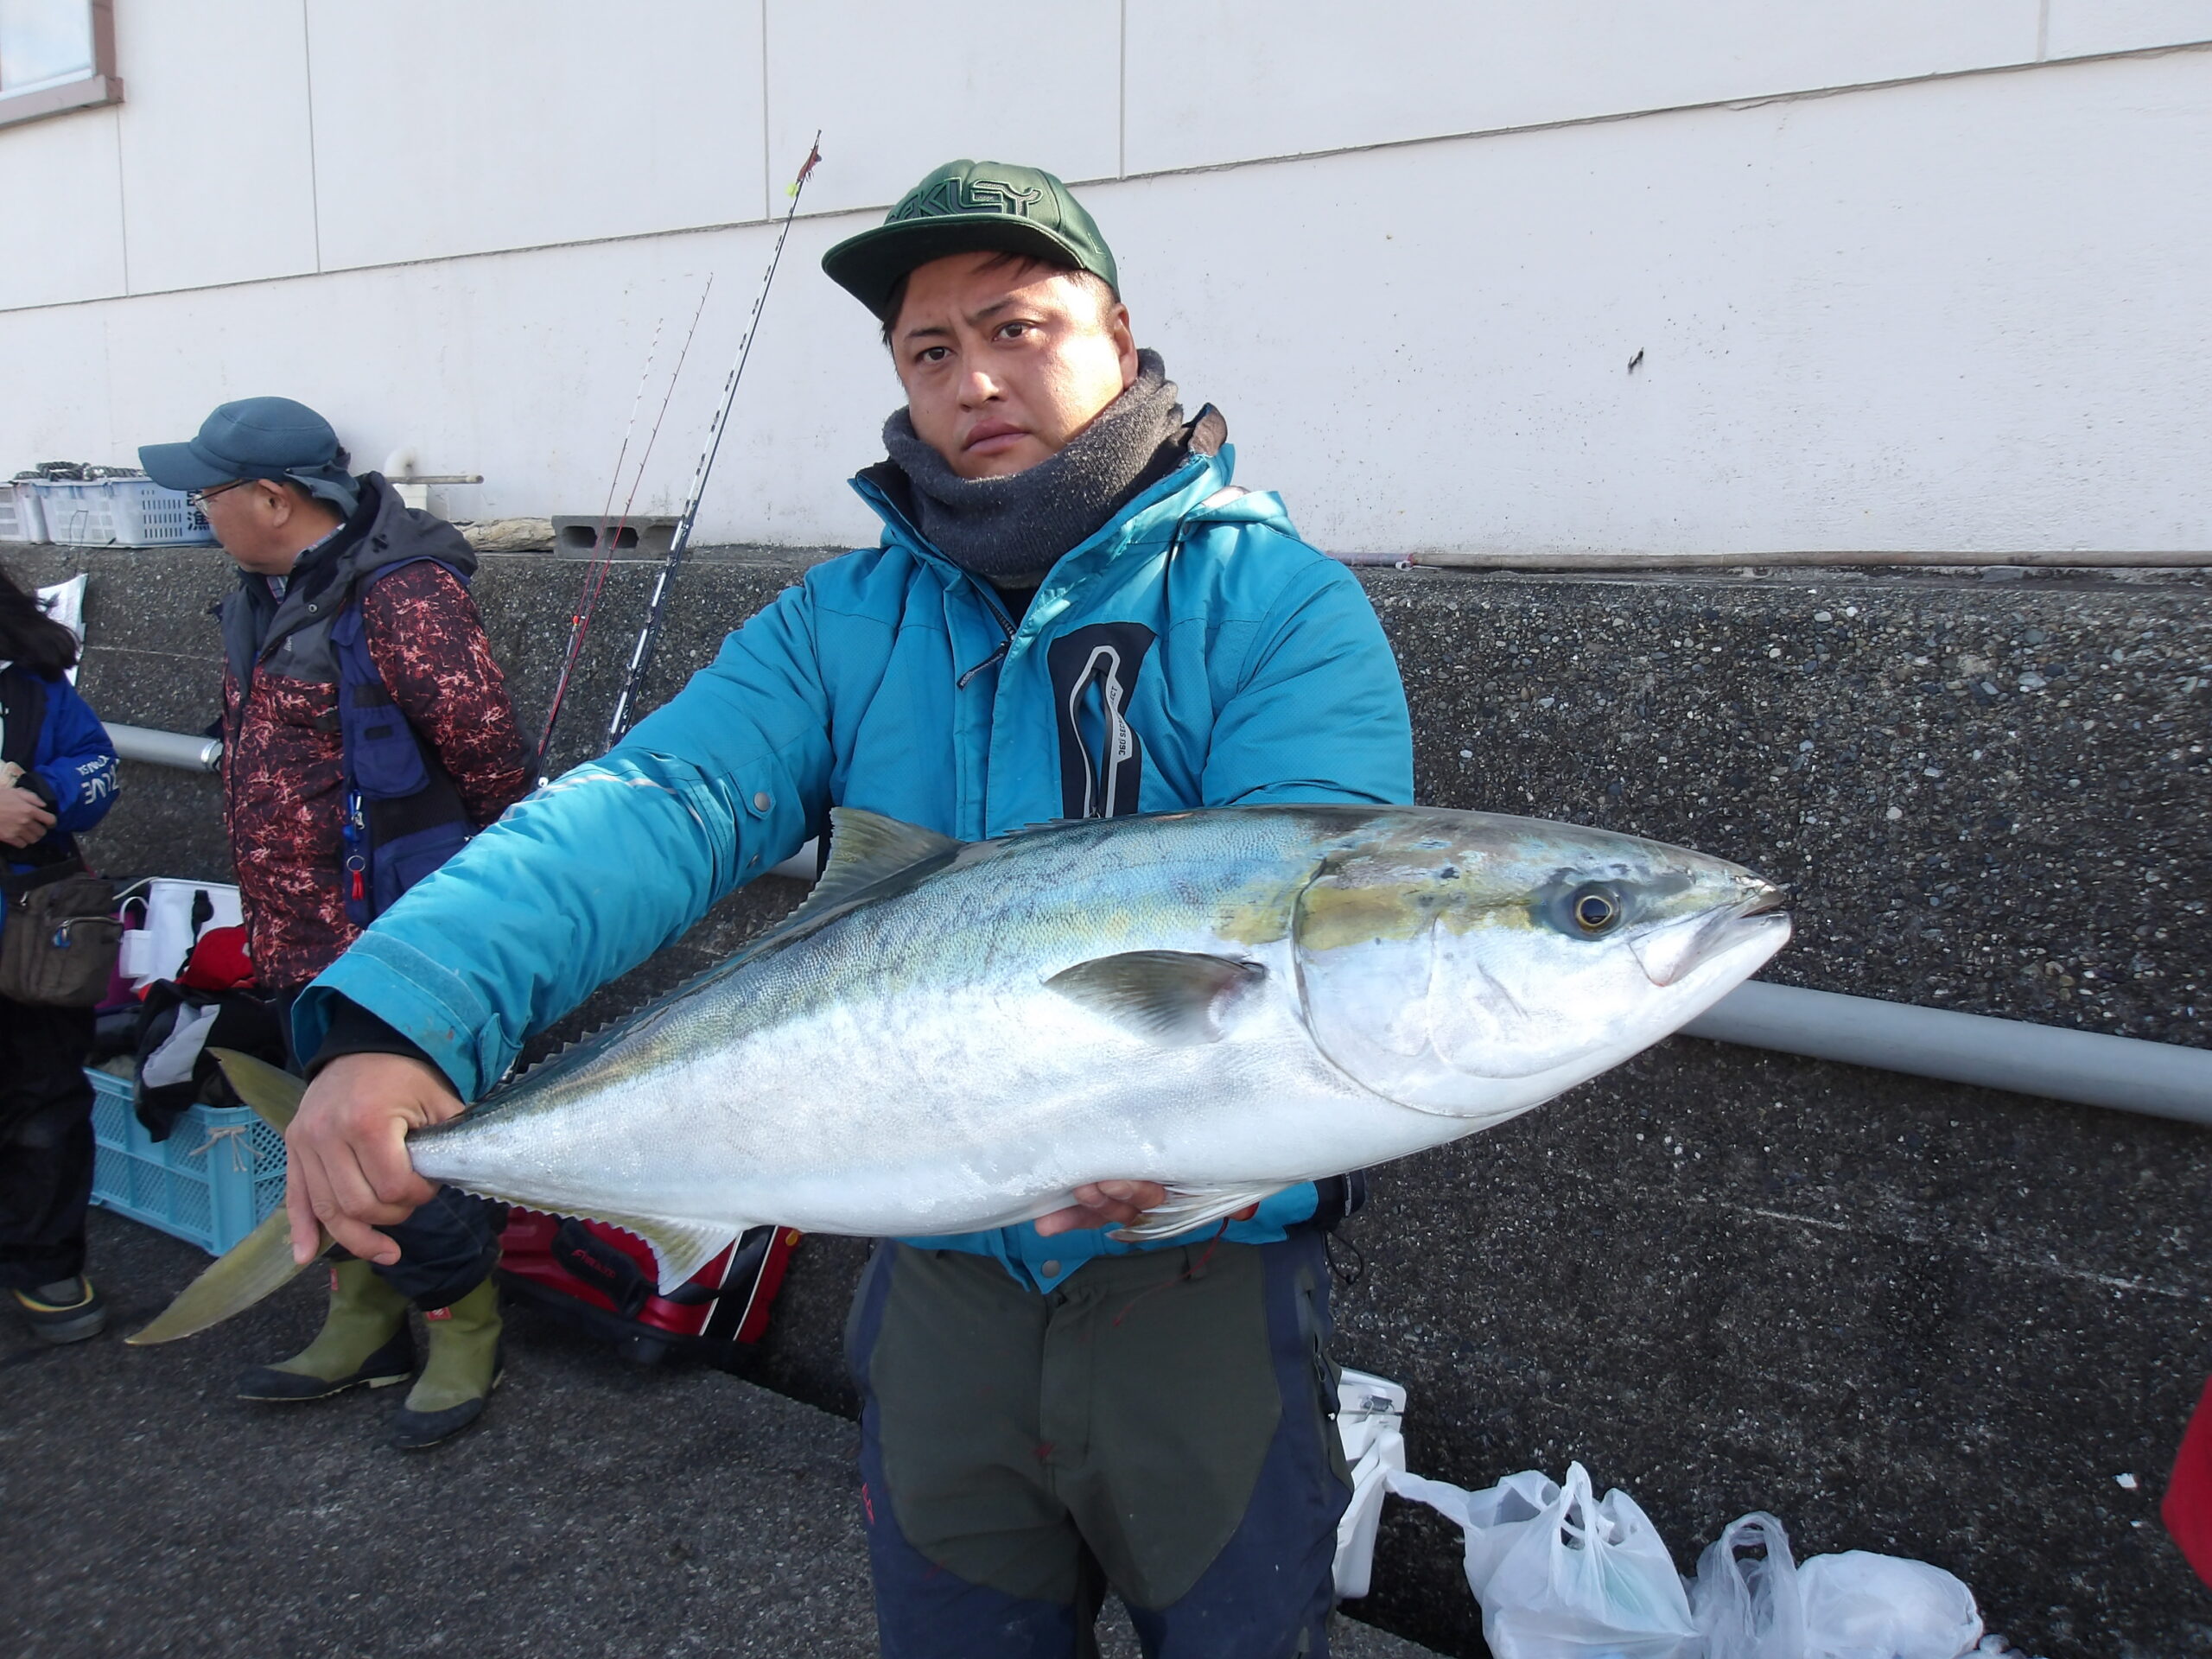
x,y
1160,1423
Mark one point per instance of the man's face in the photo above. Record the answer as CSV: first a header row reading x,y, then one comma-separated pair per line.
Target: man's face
x,y
264,526
1004,363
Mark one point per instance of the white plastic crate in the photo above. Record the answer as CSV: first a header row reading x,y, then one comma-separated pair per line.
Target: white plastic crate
x,y
20,517
119,512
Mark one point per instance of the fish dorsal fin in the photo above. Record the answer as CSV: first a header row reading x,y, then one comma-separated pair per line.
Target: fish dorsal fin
x,y
1173,999
866,849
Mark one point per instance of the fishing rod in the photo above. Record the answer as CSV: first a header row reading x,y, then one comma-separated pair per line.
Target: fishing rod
x,y
609,534
641,659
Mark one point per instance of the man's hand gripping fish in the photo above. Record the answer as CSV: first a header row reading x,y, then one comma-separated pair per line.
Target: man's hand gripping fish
x,y
950,1037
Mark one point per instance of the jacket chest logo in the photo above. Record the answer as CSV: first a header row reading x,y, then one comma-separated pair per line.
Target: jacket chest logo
x,y
1095,671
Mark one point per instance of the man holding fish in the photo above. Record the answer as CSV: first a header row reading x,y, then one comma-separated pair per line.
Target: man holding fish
x,y
1073,614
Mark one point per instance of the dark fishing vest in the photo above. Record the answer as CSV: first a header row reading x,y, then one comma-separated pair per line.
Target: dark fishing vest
x,y
404,814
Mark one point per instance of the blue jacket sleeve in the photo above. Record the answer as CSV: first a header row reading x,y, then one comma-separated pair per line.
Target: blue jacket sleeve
x,y
76,758
1314,709
587,878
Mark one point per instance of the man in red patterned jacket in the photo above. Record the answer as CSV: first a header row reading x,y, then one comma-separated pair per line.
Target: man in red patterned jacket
x,y
367,734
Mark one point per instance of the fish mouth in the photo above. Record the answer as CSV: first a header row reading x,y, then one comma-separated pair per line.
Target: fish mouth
x,y
1762,897
1671,955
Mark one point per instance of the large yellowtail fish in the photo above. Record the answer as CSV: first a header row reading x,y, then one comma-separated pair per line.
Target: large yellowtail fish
x,y
950,1037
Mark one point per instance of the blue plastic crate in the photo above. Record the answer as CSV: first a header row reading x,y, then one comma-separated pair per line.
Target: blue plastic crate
x,y
211,1183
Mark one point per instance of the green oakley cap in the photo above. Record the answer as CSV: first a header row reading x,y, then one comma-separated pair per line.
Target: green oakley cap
x,y
970,208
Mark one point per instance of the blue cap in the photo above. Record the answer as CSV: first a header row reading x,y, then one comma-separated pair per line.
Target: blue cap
x,y
256,437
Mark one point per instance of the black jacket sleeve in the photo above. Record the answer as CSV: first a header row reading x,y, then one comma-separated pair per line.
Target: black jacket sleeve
x,y
354,1030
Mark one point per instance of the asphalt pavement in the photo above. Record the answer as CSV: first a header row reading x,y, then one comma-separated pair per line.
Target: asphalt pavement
x,y
600,1509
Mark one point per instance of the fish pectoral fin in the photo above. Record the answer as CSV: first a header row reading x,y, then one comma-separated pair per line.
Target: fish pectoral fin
x,y
1188,1207
274,1095
257,1265
1174,999
680,1248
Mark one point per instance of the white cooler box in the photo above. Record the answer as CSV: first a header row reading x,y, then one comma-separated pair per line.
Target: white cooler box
x,y
158,947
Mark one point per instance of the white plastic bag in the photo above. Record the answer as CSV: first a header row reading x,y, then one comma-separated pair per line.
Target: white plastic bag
x,y
1750,1607
1863,1606
1562,1576
1489,1521
1370,1414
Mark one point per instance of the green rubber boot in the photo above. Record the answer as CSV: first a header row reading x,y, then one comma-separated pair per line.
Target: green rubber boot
x,y
464,1365
363,1343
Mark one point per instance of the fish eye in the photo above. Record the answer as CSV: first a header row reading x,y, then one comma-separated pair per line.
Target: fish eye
x,y
1595,910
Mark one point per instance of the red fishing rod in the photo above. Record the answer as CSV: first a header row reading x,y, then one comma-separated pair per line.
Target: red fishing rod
x,y
608,536
641,659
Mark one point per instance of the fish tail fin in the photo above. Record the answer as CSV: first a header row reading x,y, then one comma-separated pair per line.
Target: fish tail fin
x,y
274,1095
260,1264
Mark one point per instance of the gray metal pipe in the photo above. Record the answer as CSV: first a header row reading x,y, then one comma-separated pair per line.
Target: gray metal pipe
x,y
2125,1073
167,748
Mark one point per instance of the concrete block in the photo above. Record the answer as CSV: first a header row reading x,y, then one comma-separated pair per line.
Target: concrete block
x,y
643,536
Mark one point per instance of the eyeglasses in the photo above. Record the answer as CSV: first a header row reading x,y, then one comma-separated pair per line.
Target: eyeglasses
x,y
200,498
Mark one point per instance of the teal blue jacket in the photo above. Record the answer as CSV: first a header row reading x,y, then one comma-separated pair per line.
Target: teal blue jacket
x,y
1193,651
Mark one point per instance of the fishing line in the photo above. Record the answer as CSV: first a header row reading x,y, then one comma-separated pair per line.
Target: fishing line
x,y
609,538
641,659
579,619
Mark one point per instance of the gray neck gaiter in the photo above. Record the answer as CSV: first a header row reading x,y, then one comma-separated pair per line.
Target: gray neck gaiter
x,y
1010,531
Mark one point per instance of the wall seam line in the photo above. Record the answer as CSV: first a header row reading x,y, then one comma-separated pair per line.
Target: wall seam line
x,y
1754,101
122,207
314,165
1742,101
767,169
1121,102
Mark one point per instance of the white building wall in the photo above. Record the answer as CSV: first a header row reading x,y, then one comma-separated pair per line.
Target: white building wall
x,y
1227,80
1902,277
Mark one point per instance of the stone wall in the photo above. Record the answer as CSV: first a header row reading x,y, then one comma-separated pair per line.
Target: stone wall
x,y
1903,1315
